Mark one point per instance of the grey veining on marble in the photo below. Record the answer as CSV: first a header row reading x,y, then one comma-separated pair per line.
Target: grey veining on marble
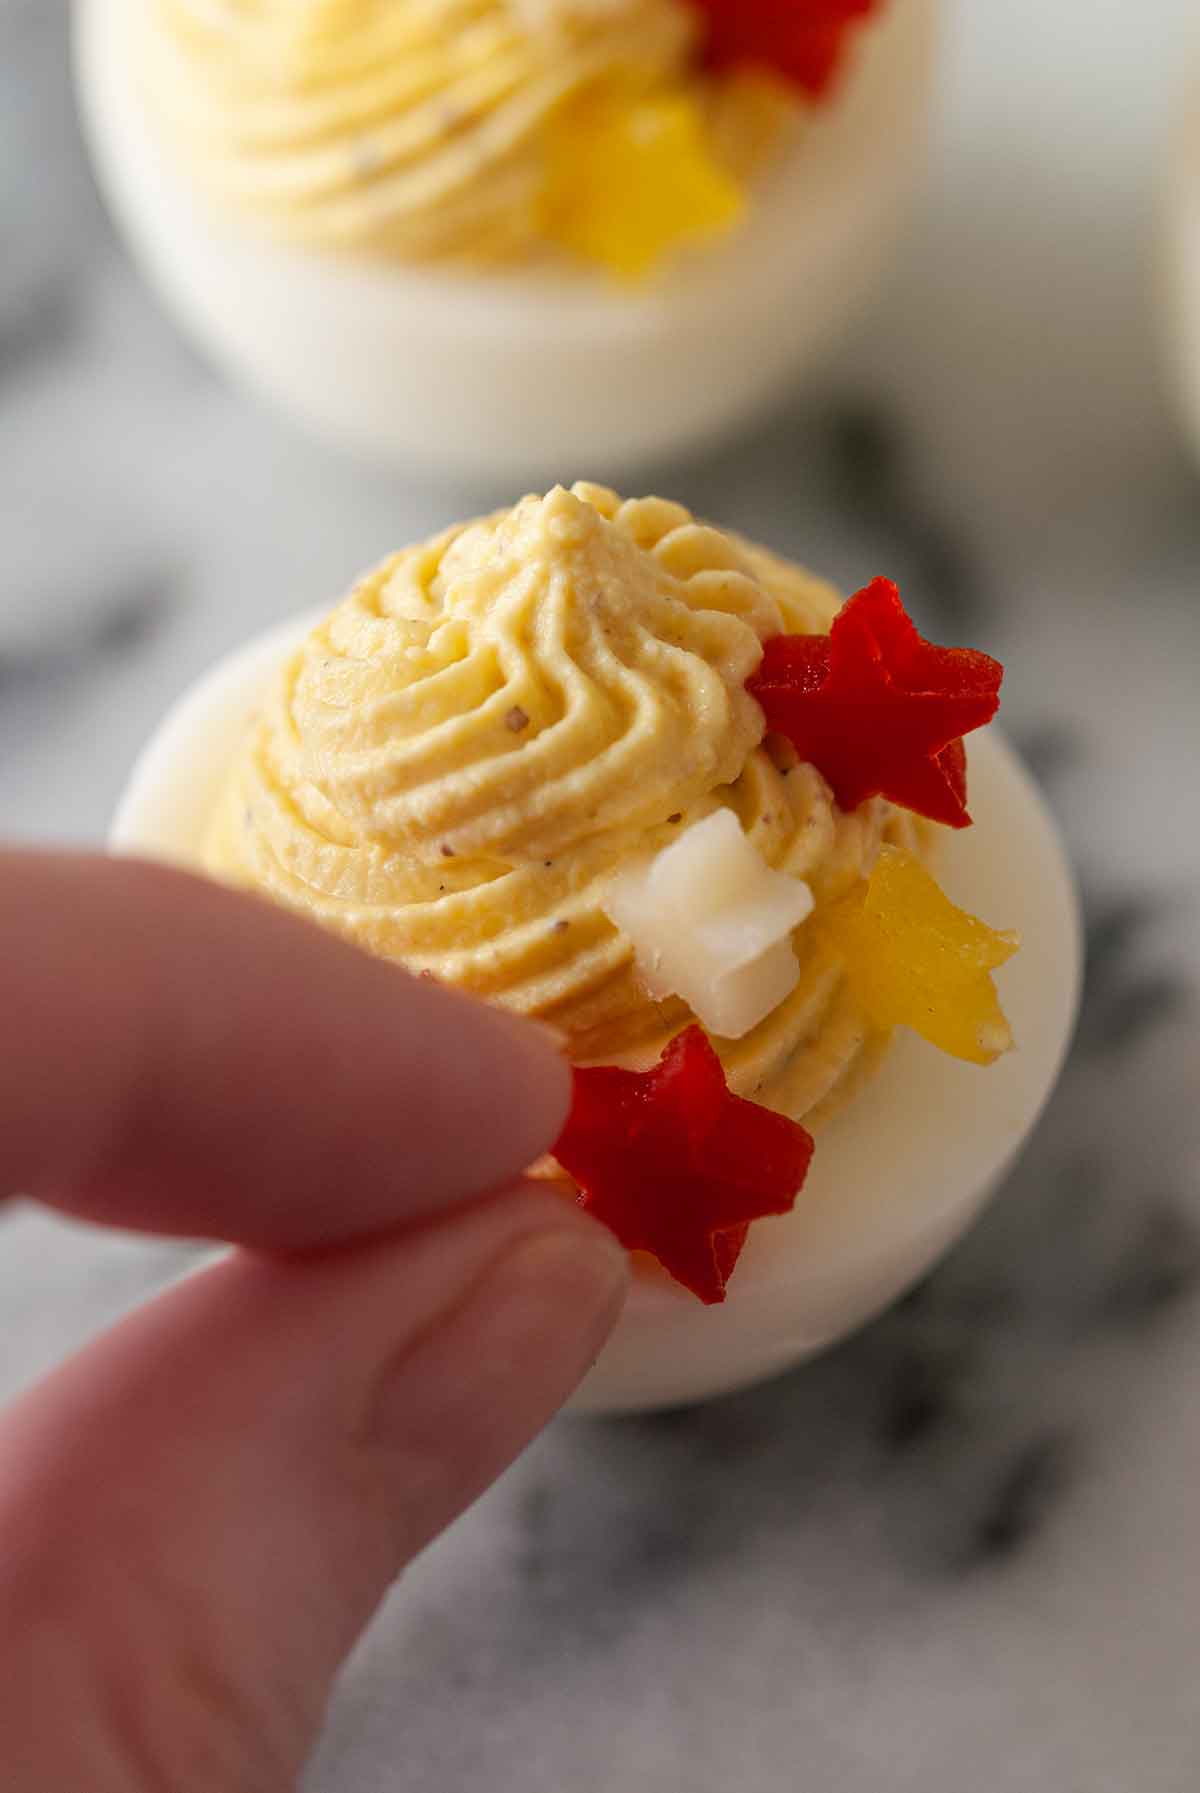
x,y
963,1549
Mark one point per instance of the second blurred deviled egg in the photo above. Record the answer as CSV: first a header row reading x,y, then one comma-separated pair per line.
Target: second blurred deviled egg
x,y
626,222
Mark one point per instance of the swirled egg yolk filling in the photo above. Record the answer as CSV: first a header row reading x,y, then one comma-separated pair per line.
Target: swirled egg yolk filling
x,y
496,723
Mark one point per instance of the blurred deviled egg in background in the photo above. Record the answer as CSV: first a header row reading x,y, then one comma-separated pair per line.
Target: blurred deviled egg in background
x,y
1179,263
625,223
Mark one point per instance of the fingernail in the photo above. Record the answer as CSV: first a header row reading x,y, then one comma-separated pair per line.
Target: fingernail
x,y
571,1276
524,1081
484,1378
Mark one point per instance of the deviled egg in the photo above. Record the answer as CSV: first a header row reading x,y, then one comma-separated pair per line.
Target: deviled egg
x,y
500,237
624,772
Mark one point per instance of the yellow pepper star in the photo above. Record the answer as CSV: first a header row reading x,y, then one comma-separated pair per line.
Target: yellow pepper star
x,y
630,177
913,959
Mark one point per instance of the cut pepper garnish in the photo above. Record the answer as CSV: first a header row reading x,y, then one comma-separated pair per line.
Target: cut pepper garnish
x,y
631,179
803,40
877,709
678,1166
912,958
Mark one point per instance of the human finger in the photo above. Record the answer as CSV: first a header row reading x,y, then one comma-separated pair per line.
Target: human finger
x,y
181,1058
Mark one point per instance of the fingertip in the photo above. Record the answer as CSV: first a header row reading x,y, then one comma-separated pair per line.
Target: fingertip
x,y
517,1103
244,1074
253,1458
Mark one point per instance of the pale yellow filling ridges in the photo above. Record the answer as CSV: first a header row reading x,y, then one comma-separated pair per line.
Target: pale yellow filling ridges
x,y
406,128
457,759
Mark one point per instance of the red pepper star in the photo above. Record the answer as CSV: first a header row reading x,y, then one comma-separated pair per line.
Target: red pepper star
x,y
678,1166
802,40
877,709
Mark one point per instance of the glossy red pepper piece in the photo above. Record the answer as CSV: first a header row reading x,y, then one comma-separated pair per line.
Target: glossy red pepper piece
x,y
877,709
678,1166
802,40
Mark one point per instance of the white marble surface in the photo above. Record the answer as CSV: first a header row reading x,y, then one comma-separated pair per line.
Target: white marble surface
x,y
964,1547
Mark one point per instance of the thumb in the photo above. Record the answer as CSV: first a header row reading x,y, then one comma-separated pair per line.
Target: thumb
x,y
202,1511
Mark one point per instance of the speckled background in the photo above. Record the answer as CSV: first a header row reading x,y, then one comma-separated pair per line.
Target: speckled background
x,y
963,1549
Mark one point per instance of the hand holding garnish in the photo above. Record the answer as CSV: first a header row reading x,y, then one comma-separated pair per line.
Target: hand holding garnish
x,y
202,1509
877,709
